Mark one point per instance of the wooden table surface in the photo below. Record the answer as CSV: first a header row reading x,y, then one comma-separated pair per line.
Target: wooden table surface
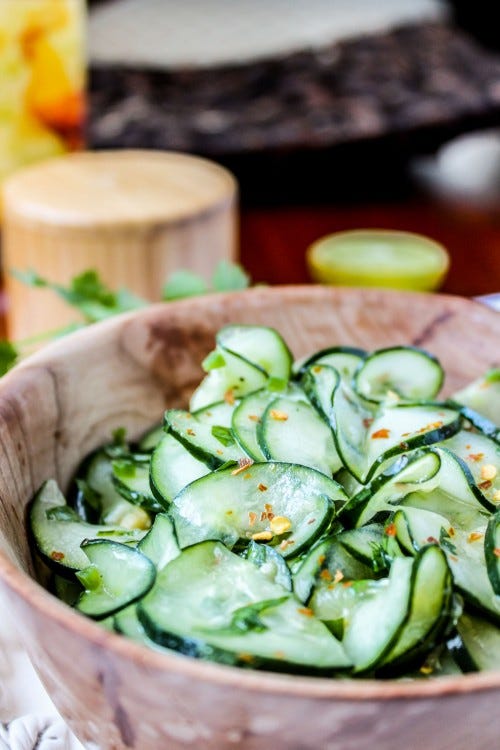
x,y
274,240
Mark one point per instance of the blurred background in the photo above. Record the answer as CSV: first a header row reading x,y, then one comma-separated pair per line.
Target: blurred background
x,y
332,114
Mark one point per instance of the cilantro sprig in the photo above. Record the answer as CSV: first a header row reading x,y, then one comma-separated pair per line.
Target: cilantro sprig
x,y
94,300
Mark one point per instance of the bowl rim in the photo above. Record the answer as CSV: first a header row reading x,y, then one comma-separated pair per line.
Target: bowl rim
x,y
20,584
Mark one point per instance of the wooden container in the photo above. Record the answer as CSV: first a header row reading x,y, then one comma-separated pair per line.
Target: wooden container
x,y
134,216
116,694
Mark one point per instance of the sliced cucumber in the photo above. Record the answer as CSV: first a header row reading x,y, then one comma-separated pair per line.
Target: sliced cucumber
x,y
131,479
150,440
160,543
235,506
410,373
172,468
464,550
333,603
375,622
483,396
344,359
117,576
114,508
416,471
234,379
481,643
212,444
492,552
293,432
429,606
371,545
260,346
270,563
59,532
320,383
248,415
210,603
482,456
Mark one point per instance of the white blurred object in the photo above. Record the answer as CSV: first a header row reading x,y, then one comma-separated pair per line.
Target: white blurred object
x,y
466,169
170,33
28,718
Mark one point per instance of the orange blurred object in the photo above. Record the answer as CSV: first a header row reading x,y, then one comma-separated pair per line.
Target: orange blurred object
x,y
42,69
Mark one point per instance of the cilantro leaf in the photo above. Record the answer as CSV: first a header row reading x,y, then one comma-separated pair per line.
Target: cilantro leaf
x,y
229,277
183,283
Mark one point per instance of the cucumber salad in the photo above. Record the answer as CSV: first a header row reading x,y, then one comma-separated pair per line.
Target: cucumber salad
x,y
327,516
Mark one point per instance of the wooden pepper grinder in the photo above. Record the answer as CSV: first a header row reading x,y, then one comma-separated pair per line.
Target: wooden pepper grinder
x,y
134,216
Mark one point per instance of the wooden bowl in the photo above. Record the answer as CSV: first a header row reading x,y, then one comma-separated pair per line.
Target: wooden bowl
x,y
63,402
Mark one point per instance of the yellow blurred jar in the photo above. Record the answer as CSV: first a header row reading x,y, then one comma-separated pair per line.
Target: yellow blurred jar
x,y
42,78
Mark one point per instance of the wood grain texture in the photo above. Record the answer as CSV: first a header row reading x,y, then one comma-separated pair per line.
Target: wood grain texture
x,y
63,402
134,216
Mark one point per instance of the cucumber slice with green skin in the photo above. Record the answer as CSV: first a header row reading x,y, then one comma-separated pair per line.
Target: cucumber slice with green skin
x,y
478,451
375,623
344,359
248,414
172,468
235,505
333,603
114,508
131,479
160,543
235,376
413,472
405,427
464,550
116,577
371,546
59,532
430,605
66,589
214,445
260,346
411,373
294,432
270,563
492,552
480,644
150,440
219,413
198,607
327,562
454,495
483,396
320,383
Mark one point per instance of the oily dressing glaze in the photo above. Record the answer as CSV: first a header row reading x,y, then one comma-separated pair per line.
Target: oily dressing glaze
x,y
65,401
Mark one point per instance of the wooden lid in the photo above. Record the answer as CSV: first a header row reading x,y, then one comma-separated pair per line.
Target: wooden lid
x,y
110,188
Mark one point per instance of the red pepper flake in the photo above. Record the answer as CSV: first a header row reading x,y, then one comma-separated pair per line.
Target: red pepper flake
x,y
229,397
338,576
254,417
286,543
496,551
263,516
347,584
190,431
454,558
247,658
475,456
390,530
367,422
321,559
317,369
451,531
474,536
485,485
248,475
432,540
405,434
252,517
380,434
468,447
404,445
268,507
311,520
262,488
279,416
219,452
326,575
57,556
243,463
229,512
305,611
